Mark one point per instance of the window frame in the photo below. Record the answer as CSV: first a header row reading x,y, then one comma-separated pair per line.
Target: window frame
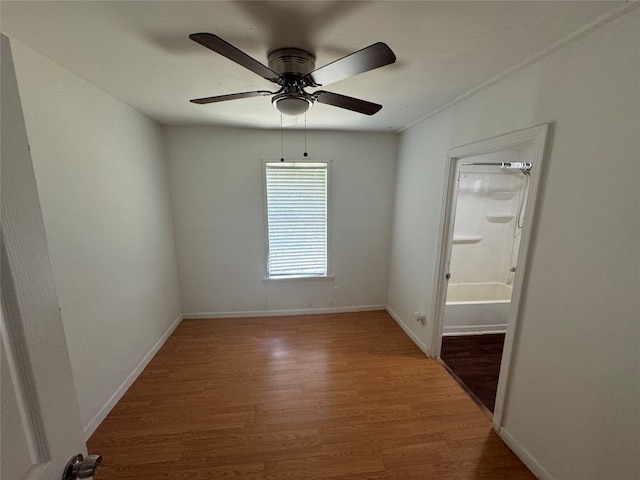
x,y
280,278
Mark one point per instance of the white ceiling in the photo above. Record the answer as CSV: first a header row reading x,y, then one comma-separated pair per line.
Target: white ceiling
x,y
139,51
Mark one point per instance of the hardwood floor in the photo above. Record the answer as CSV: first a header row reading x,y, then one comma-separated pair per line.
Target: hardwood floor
x,y
342,396
475,360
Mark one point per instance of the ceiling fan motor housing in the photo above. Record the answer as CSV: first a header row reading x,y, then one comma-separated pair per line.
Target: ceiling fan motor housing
x,y
292,64
291,61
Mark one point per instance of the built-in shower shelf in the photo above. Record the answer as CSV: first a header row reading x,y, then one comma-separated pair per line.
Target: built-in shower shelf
x,y
466,239
500,217
503,195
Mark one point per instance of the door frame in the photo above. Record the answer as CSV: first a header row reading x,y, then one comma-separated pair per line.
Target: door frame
x,y
531,137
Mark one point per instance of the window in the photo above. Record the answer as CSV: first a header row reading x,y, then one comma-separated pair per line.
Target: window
x,y
297,219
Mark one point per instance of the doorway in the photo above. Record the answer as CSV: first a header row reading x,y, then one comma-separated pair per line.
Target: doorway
x,y
488,209
487,225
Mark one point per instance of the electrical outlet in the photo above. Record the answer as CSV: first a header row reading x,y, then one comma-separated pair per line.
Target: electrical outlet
x,y
336,292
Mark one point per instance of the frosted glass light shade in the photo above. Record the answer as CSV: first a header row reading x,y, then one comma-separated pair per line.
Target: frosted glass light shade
x,y
292,106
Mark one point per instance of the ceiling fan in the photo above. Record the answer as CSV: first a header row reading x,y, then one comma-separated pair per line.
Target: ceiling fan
x,y
293,70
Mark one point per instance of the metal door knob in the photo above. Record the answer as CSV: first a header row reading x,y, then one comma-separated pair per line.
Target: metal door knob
x,y
81,467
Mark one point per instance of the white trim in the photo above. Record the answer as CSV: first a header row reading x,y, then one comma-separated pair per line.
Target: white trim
x,y
281,313
419,343
538,137
298,278
95,422
524,455
439,298
601,20
453,331
525,137
534,137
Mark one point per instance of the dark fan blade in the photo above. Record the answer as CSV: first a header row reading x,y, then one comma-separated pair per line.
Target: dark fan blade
x,y
350,103
232,96
373,56
225,49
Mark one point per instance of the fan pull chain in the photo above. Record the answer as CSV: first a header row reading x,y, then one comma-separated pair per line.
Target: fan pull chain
x,y
305,135
281,141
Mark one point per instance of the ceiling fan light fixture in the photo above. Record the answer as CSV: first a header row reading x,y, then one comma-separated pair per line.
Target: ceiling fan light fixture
x,y
292,105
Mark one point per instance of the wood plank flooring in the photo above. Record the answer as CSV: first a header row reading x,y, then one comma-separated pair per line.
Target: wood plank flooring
x,y
475,360
341,396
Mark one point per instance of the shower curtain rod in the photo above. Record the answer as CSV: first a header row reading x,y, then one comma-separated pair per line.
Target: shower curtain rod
x,y
519,165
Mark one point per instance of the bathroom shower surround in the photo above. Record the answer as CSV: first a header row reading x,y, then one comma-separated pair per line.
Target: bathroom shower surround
x,y
490,206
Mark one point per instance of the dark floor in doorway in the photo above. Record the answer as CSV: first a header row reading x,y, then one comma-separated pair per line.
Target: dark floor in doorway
x,y
475,360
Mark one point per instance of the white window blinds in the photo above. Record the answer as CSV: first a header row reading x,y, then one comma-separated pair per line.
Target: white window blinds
x,y
297,219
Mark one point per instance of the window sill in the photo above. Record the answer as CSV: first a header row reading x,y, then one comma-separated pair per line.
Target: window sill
x,y
297,278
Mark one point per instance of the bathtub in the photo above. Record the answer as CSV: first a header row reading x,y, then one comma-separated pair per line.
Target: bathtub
x,y
476,308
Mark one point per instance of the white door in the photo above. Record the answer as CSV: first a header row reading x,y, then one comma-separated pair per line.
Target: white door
x,y
41,427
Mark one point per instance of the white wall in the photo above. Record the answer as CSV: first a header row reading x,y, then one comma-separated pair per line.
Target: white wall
x,y
573,403
218,203
103,186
